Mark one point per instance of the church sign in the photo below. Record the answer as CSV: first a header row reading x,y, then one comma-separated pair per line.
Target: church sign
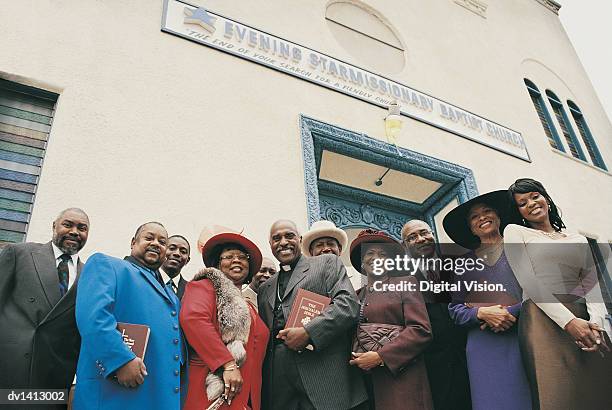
x,y
213,30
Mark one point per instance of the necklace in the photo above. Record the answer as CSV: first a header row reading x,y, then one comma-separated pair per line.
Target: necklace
x,y
490,253
278,295
554,235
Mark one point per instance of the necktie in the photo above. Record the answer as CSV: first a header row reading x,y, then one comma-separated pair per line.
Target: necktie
x,y
63,273
158,277
173,286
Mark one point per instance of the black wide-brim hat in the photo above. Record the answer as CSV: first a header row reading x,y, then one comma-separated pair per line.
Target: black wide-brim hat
x,y
456,224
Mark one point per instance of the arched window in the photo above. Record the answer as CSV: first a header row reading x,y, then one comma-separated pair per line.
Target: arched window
x,y
545,119
568,131
587,137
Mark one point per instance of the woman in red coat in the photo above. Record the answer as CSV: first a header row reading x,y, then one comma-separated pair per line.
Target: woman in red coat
x,y
227,339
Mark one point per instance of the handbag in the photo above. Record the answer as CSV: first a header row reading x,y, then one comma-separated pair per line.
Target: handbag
x,y
371,337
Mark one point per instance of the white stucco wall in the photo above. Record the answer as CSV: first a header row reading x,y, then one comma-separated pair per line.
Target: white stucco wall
x,y
152,127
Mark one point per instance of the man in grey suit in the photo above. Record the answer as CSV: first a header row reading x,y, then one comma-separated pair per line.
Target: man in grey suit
x,y
307,367
39,341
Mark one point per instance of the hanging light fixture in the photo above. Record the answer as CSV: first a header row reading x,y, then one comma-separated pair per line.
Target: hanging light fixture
x,y
393,127
393,123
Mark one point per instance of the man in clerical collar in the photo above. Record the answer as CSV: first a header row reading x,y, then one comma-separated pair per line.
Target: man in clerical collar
x,y
266,271
130,291
177,256
303,362
445,356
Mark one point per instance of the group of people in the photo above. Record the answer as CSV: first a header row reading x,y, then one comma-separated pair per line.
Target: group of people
x,y
221,340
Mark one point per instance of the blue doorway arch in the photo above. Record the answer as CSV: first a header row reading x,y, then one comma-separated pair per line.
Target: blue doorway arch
x,y
350,207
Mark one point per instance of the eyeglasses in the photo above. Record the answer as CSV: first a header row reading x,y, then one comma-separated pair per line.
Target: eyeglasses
x,y
241,257
423,233
271,271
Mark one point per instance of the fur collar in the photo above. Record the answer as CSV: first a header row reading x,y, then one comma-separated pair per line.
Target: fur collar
x,y
234,323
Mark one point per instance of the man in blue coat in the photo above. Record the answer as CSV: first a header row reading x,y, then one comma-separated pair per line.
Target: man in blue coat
x,y
111,290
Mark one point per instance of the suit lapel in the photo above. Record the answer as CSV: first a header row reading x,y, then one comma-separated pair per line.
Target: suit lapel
x,y
44,263
271,297
299,273
69,298
181,287
158,287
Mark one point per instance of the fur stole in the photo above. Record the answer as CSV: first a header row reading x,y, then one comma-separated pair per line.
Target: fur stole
x,y
234,324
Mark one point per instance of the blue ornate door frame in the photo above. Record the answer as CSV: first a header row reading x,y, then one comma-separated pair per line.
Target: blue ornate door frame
x,y
351,207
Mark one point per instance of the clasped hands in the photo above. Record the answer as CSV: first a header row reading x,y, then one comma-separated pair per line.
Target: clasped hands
x,y
495,317
588,336
295,338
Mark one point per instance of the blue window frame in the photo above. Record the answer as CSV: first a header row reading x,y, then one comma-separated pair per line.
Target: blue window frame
x,y
566,127
545,118
587,137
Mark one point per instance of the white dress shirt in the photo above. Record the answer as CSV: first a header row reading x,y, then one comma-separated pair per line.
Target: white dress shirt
x,y
166,278
72,264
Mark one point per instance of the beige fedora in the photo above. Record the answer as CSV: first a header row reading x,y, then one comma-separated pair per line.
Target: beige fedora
x,y
322,229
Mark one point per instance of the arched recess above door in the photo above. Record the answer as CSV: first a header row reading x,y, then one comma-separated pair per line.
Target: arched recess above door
x,y
341,166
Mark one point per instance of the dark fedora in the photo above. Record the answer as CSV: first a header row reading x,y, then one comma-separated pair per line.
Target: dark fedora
x,y
456,224
369,236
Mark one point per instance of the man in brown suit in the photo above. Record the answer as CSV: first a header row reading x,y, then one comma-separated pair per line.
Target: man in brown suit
x,y
39,342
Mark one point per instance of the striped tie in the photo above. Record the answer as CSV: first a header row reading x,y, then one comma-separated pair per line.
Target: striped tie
x,y
63,273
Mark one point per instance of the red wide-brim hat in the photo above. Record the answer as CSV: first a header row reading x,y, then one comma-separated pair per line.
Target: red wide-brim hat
x,y
369,236
210,248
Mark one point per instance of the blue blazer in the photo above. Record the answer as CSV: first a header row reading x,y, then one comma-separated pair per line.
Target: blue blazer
x,y
112,290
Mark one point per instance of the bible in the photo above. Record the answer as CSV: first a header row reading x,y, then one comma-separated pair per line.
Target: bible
x,y
306,306
135,337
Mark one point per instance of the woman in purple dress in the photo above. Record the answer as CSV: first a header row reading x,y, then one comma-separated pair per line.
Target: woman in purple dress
x,y
497,377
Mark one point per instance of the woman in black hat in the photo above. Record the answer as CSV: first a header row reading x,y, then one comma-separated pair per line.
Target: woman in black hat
x,y
562,332
497,376
393,331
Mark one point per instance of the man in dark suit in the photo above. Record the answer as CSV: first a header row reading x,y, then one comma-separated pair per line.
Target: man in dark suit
x,y
177,256
307,367
445,357
39,341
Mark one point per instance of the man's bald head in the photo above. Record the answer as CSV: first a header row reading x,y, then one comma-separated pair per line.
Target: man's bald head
x,y
74,211
284,223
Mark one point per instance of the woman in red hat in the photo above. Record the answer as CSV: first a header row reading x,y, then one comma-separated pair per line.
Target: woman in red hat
x,y
393,329
227,339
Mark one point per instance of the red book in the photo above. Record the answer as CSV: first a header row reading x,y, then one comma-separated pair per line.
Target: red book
x,y
136,337
306,306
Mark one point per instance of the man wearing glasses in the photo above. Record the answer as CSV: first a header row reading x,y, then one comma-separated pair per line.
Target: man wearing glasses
x,y
445,356
267,270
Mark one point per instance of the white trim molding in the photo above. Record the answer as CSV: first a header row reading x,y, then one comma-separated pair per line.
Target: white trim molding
x,y
476,6
550,5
